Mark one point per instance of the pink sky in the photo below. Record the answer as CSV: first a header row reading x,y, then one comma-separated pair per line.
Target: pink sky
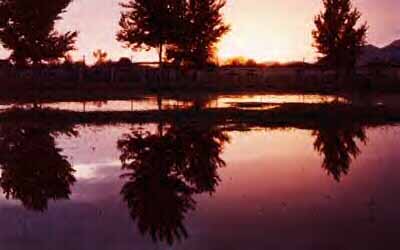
x,y
261,29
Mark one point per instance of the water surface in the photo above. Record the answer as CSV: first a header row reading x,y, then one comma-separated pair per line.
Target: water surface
x,y
146,103
172,186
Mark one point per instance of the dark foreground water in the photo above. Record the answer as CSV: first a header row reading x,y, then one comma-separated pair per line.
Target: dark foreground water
x,y
162,186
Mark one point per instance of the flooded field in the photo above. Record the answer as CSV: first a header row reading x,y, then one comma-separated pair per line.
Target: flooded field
x,y
200,184
152,102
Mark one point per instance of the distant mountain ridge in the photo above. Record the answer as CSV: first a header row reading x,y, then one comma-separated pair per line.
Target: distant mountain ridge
x,y
389,54
395,44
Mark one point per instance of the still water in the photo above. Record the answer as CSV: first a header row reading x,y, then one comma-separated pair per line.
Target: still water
x,y
146,103
164,186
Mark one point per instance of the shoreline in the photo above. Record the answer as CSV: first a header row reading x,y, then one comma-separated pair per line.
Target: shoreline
x,y
297,115
96,92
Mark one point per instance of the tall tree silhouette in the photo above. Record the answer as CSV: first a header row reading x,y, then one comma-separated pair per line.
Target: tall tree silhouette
x,y
149,24
27,29
336,141
202,27
33,170
338,37
164,171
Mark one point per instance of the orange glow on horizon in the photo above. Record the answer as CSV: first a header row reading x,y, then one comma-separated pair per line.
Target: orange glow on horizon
x,y
265,37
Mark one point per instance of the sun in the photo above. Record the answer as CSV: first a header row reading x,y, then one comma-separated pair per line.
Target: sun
x,y
233,46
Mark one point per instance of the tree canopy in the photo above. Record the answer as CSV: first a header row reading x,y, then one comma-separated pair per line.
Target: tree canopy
x,y
27,28
187,29
147,24
203,26
338,37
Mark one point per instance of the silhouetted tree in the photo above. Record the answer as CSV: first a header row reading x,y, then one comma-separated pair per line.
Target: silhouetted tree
x,y
202,27
100,56
337,37
27,29
165,170
336,141
32,167
149,24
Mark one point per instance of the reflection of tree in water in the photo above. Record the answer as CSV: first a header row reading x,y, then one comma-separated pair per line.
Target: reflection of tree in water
x,y
336,140
165,171
200,148
32,167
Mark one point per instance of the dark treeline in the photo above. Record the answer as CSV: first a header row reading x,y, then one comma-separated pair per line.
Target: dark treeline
x,y
297,115
185,32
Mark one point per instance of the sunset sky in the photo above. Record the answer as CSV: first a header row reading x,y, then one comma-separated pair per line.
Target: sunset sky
x,y
266,30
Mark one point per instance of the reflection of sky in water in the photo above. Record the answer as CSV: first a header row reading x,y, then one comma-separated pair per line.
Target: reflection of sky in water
x,y
94,148
259,102
273,195
150,103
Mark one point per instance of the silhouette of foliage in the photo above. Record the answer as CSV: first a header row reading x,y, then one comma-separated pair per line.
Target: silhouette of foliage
x,y
337,37
336,141
187,29
201,29
149,24
27,29
32,167
241,62
164,171
100,56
